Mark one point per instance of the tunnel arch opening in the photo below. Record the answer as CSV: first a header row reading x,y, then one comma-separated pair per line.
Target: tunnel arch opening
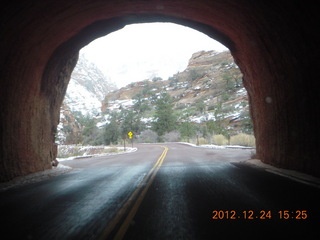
x,y
274,61
227,80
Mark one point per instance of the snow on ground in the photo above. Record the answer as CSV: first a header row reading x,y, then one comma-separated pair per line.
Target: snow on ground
x,y
126,103
147,120
70,152
216,146
198,119
78,98
241,92
203,146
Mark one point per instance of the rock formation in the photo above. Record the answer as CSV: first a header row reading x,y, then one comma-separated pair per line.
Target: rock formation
x,y
87,88
209,88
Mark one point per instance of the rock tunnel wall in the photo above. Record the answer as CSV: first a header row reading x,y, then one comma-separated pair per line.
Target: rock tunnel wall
x,y
273,42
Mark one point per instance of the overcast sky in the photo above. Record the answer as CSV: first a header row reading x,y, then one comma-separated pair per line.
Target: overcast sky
x,y
143,51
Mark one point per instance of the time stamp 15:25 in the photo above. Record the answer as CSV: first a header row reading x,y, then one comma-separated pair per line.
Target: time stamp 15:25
x,y
251,214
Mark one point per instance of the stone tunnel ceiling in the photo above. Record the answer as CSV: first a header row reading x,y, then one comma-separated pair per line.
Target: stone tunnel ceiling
x,y
273,43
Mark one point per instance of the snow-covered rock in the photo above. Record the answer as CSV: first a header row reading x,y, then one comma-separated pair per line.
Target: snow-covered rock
x,y
87,88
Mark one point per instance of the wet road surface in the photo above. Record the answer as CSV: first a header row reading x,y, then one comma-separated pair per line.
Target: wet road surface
x,y
170,192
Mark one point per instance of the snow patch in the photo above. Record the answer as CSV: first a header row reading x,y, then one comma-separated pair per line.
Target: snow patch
x,y
76,151
78,98
212,146
204,146
115,105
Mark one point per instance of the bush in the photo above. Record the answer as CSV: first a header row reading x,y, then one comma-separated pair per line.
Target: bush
x,y
65,151
219,139
194,75
211,107
173,136
243,140
111,150
148,136
202,141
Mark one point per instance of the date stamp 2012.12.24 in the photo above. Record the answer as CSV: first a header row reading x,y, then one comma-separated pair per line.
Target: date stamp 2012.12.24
x,y
259,215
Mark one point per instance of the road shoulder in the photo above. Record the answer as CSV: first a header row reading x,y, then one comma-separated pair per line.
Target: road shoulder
x,y
292,174
54,171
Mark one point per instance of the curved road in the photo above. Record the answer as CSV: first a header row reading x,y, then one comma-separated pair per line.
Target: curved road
x,y
162,191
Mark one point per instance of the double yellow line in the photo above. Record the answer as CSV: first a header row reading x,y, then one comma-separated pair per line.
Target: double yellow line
x,y
135,201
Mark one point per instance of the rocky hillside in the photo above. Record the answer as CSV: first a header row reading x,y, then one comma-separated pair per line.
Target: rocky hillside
x,y
210,88
87,88
208,94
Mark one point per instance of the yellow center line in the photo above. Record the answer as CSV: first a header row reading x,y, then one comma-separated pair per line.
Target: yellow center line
x,y
145,184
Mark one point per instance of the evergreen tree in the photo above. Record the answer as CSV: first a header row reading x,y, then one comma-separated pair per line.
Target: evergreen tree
x,y
164,115
111,134
140,106
131,122
187,130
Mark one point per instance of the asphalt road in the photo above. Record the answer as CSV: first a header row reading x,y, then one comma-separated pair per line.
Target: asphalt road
x,y
168,191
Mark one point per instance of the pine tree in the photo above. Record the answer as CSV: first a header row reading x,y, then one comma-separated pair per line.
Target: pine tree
x,y
187,130
111,134
165,119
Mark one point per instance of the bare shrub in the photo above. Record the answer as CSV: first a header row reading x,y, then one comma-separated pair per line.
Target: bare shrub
x,y
219,139
243,139
95,150
65,151
148,136
202,141
173,136
111,150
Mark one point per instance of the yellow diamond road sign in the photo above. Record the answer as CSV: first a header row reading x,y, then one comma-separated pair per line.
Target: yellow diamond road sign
x,y
130,134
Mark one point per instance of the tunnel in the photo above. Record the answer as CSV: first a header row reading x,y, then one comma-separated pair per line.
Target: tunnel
x,y
273,42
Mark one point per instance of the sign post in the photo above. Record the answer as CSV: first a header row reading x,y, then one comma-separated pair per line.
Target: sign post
x,y
130,134
124,142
